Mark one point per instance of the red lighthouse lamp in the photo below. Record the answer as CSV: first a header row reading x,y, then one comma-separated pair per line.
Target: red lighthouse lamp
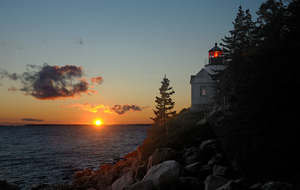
x,y
215,55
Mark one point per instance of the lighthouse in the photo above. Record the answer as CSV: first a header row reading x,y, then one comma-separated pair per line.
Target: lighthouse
x,y
202,84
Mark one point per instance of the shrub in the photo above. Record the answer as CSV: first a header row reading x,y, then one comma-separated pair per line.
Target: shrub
x,y
182,131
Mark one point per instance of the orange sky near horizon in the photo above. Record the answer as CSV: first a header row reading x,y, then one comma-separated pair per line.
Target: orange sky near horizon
x,y
57,111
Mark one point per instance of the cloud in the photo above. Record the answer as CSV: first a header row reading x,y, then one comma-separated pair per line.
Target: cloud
x,y
78,42
115,109
12,89
11,76
96,80
89,107
31,119
10,45
52,82
121,109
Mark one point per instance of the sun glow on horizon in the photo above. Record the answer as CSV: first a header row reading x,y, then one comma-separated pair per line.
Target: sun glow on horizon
x,y
98,122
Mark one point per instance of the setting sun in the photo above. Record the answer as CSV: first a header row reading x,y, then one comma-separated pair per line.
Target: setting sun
x,y
98,122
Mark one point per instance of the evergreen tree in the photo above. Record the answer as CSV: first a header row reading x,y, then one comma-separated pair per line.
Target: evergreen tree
x,y
271,23
240,39
237,48
165,104
261,130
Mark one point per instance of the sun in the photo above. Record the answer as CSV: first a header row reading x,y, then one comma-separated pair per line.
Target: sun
x,y
98,122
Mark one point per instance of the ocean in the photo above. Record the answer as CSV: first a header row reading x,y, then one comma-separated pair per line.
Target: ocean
x,y
31,155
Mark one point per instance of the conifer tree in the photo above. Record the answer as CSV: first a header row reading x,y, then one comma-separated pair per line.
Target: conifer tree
x,y
237,48
258,77
240,39
165,104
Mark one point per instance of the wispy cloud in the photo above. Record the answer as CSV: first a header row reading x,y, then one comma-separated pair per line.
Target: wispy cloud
x,y
115,109
12,89
10,45
78,41
52,82
121,109
31,119
96,80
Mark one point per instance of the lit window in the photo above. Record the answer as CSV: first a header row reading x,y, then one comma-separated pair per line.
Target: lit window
x,y
203,91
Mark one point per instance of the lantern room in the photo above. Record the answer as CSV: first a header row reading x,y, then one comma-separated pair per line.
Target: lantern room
x,y
215,56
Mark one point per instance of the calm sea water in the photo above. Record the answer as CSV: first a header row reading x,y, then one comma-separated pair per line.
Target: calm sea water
x,y
31,155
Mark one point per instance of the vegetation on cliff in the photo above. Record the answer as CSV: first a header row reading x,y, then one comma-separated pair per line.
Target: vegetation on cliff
x,y
183,132
260,132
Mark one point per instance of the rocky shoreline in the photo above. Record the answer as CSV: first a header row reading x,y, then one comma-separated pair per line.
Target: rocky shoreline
x,y
194,168
203,167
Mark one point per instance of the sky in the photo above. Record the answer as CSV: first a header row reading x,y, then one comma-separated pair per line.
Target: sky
x,y
72,62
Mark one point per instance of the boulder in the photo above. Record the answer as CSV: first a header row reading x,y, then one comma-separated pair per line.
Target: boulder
x,y
207,150
256,186
86,172
135,163
277,185
164,175
192,169
160,155
5,185
126,179
191,156
208,143
142,153
140,172
140,185
232,185
219,170
190,183
204,172
217,159
214,182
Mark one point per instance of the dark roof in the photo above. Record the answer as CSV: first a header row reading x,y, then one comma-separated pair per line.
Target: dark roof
x,y
216,48
192,76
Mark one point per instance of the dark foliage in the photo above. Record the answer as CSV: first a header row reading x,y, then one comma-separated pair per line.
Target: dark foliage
x,y
261,85
182,132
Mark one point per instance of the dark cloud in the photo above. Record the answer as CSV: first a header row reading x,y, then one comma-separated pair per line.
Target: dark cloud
x,y
11,76
51,82
31,119
121,110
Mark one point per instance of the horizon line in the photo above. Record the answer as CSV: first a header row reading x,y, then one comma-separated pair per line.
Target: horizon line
x,y
30,124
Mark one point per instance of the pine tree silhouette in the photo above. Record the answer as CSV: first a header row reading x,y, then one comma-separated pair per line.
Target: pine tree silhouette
x,y
165,104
